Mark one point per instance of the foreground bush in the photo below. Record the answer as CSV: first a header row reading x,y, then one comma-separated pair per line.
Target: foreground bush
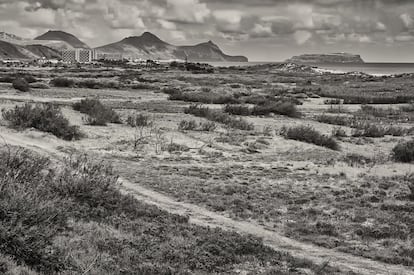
x,y
45,117
21,85
219,116
310,135
404,151
98,114
74,220
378,131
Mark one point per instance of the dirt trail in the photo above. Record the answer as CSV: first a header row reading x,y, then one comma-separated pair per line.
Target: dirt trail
x,y
201,216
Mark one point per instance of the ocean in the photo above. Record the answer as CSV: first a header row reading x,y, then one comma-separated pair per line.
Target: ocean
x,y
368,68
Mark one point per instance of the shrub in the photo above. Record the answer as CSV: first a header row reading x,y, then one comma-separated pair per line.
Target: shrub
x,y
218,116
45,117
63,82
208,126
332,101
334,120
187,125
376,131
240,110
409,179
408,108
309,135
339,132
280,108
98,114
404,152
39,85
139,120
75,220
201,97
21,84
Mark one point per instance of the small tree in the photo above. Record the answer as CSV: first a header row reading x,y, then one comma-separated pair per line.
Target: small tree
x,y
139,122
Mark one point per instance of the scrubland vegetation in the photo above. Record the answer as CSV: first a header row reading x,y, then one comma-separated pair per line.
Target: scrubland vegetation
x,y
301,154
98,113
43,117
74,220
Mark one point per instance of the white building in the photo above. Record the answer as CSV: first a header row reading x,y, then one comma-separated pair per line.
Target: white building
x,y
79,56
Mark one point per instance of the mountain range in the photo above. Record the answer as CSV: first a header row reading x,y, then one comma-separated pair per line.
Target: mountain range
x,y
146,46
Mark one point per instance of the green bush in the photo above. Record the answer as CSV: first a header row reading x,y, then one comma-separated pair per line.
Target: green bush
x,y
201,97
309,135
98,114
44,117
404,151
21,84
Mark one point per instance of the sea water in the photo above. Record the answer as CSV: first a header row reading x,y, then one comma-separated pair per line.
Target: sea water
x,y
368,68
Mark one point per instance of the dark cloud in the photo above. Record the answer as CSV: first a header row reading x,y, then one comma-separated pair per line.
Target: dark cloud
x,y
287,24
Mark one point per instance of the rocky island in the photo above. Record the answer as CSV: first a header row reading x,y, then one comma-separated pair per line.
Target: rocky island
x,y
332,58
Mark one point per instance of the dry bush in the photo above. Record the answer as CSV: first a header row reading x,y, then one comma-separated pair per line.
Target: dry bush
x,y
44,117
98,114
309,135
404,152
219,116
187,125
21,85
75,220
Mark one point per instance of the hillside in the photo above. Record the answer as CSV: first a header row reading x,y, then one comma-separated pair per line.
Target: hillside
x,y
13,51
68,38
327,58
149,46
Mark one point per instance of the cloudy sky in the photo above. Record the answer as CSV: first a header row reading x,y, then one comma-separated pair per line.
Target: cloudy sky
x,y
263,30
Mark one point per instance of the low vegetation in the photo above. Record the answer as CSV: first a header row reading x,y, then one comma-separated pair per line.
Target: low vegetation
x,y
273,107
98,113
309,135
43,117
21,85
74,220
219,116
64,82
404,151
192,125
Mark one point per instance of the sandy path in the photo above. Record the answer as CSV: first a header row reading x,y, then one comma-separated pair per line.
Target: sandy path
x,y
201,216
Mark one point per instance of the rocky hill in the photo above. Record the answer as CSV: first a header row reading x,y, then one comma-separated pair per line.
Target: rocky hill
x,y
61,36
333,58
149,46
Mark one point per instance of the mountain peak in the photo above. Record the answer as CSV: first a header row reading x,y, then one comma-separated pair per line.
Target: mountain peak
x,y
57,35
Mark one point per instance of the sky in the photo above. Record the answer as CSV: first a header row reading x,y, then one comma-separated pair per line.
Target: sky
x,y
262,30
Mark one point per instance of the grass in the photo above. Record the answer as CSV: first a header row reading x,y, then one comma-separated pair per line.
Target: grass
x,y
43,117
334,119
98,113
75,220
219,116
310,135
404,152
